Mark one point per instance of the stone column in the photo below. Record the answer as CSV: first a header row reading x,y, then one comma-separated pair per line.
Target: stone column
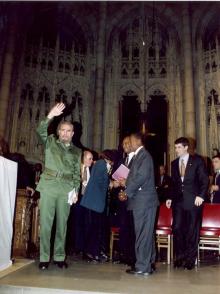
x,y
202,103
7,69
100,75
188,90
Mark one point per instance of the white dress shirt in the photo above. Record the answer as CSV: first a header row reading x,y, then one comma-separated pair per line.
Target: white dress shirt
x,y
130,155
88,175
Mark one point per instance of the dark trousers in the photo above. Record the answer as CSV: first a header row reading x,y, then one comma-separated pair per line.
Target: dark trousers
x,y
93,226
79,228
186,227
144,224
127,234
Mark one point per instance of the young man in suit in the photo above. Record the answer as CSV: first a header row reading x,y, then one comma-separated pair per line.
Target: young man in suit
x,y
215,187
189,188
142,201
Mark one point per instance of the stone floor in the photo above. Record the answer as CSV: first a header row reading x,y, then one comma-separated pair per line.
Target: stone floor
x,y
82,277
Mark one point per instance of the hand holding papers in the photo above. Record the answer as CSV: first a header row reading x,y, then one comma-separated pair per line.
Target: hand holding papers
x,y
72,197
121,173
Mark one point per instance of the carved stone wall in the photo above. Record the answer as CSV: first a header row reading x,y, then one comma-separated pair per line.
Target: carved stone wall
x,y
147,48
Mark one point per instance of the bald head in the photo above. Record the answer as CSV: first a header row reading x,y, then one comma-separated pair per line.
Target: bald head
x,y
87,158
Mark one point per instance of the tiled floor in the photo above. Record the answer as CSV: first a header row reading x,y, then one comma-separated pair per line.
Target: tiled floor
x,y
82,277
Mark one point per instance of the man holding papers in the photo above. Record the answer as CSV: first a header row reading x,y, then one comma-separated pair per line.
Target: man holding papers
x,y
142,201
58,186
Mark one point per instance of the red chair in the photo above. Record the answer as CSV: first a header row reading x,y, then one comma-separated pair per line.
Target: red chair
x,y
114,236
210,229
164,231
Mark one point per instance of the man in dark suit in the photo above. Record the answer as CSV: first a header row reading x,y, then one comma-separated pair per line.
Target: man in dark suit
x,y
215,187
126,234
142,201
189,188
163,184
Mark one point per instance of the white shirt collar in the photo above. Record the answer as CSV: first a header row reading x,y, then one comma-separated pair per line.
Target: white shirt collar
x,y
184,157
139,148
130,155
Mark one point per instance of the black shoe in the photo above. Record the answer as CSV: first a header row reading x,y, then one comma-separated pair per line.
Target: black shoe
x,y
178,263
189,266
61,264
153,267
92,259
137,272
103,258
43,265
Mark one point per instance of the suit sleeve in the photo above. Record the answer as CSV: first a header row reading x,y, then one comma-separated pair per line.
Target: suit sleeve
x,y
171,192
99,172
137,177
203,178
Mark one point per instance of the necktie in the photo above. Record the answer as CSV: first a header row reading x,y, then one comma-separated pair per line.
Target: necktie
x,y
182,168
84,174
126,160
84,180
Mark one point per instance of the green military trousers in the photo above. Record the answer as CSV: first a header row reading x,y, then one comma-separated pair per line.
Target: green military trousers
x,y
53,202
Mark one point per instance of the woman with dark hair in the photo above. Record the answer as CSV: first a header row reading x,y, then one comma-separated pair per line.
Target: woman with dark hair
x,y
94,200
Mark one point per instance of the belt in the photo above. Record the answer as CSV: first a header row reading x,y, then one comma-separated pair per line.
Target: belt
x,y
58,174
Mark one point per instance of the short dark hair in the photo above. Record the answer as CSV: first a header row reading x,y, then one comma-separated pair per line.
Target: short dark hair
x,y
138,136
216,156
182,140
107,154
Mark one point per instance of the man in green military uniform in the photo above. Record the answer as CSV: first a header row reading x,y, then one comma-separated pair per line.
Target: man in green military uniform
x,y
58,185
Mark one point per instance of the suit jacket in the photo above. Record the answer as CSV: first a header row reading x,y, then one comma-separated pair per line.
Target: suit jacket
x,y
140,184
163,189
95,194
195,182
216,195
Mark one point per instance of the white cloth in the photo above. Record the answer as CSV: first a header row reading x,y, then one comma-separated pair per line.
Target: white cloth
x,y
88,175
8,183
130,155
139,148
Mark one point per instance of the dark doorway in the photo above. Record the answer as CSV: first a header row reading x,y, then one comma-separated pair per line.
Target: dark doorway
x,y
156,124
130,112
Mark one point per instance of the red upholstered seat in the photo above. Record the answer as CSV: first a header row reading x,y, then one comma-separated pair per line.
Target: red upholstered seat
x,y
164,231
210,229
164,222
210,220
115,229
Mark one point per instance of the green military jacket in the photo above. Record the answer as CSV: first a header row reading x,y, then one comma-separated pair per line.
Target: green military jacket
x,y
62,163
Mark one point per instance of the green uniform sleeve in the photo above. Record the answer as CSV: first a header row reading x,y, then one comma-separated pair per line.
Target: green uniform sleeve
x,y
42,129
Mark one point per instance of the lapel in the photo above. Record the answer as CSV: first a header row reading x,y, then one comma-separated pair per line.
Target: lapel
x,y
177,167
188,167
136,158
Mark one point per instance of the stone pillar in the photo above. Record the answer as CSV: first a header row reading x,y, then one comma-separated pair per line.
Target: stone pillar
x,y
188,90
100,75
202,102
7,69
